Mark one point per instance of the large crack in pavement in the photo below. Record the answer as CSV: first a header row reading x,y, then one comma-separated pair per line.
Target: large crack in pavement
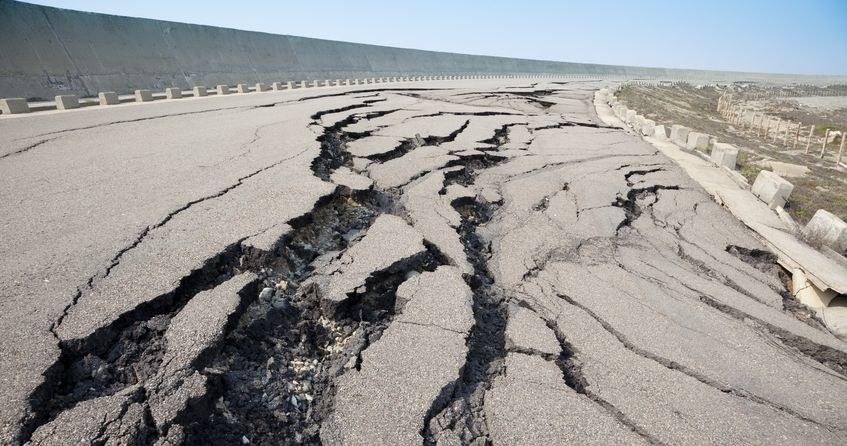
x,y
295,341
460,414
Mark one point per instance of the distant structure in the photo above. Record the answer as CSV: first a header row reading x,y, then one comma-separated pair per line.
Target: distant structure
x,y
49,51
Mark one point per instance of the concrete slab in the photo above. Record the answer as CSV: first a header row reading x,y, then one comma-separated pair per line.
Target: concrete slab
x,y
827,229
723,155
772,189
698,141
679,134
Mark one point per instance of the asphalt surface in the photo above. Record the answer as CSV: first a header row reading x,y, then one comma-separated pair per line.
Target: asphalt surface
x,y
452,262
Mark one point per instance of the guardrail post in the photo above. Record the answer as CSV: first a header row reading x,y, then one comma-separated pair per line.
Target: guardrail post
x,y
13,106
67,101
143,95
809,139
823,146
108,98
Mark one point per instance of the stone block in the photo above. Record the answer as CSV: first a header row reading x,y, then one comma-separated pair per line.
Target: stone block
x,y
223,89
315,84
260,87
13,106
647,127
660,132
723,155
276,86
289,85
143,96
327,83
199,91
67,101
697,141
827,229
173,93
302,84
835,319
242,88
108,98
679,134
772,189
347,82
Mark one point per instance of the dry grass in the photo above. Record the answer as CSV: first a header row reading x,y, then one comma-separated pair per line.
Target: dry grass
x,y
824,187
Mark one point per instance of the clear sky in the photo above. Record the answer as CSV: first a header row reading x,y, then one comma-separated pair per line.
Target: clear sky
x,y
803,37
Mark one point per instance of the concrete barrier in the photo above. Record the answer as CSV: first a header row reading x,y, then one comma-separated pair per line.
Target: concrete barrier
x,y
660,132
679,134
289,85
199,91
67,101
260,87
143,96
629,115
173,93
242,88
302,84
223,89
647,127
698,141
827,229
724,155
315,84
13,106
276,86
772,189
108,98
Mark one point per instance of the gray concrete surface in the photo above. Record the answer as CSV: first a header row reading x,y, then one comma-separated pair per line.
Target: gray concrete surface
x,y
49,51
522,273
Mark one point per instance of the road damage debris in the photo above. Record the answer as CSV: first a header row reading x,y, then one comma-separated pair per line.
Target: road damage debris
x,y
449,266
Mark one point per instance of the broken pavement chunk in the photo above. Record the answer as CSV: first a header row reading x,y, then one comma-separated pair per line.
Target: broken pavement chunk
x,y
413,365
388,243
525,331
343,176
199,327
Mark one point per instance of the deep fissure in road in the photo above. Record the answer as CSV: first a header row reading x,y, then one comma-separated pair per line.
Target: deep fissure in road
x,y
461,412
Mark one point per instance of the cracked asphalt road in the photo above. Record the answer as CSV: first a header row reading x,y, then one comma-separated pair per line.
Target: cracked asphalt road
x,y
458,263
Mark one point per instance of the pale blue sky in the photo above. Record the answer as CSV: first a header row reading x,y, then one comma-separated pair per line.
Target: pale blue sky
x,y
804,37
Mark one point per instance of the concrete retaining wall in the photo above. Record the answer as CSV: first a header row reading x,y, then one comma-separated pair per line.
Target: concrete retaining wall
x,y
48,51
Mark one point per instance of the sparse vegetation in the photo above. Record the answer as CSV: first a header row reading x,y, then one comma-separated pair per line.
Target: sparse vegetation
x,y
823,187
